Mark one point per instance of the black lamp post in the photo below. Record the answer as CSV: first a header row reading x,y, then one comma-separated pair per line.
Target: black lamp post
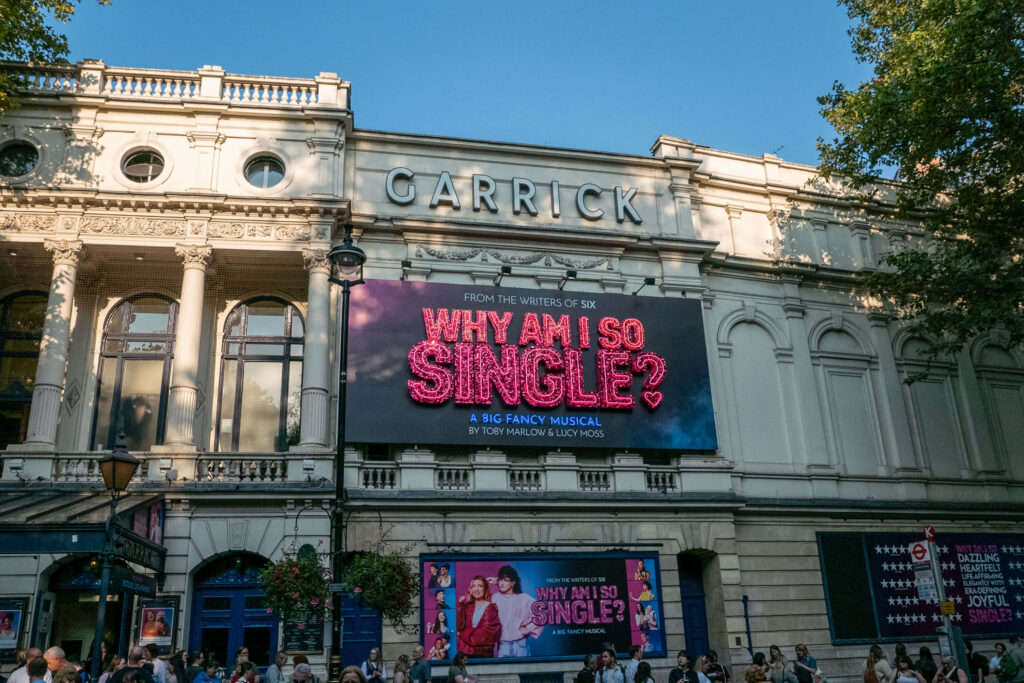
x,y
347,271
117,470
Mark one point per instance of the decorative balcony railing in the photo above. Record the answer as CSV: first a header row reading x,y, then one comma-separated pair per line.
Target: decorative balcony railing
x,y
412,470
210,83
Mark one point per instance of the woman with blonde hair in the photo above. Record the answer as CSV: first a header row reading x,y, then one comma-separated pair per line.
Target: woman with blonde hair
x,y
401,669
701,667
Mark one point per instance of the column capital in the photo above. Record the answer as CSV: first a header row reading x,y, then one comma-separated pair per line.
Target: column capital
x,y
316,259
65,252
194,255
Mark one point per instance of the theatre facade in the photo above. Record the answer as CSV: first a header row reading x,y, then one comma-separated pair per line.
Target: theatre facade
x,y
646,383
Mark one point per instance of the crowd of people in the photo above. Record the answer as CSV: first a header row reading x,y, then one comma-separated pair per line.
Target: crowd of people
x,y
1006,665
143,665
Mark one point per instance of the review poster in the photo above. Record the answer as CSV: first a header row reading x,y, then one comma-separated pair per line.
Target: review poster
x,y
983,575
511,607
486,366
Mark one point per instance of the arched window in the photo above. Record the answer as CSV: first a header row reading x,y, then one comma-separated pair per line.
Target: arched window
x,y
261,377
21,329
135,370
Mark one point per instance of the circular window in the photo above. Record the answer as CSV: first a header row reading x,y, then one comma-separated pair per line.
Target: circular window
x,y
18,158
264,172
143,166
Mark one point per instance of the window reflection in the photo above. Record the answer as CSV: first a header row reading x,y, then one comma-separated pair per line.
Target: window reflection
x,y
261,377
135,367
21,329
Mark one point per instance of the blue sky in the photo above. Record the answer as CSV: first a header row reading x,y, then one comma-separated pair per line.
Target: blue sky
x,y
739,76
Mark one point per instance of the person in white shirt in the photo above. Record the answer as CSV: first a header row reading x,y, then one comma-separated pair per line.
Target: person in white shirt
x,y
515,614
20,675
159,665
635,653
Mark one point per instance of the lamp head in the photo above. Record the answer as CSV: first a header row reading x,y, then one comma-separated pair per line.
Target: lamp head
x,y
347,259
119,467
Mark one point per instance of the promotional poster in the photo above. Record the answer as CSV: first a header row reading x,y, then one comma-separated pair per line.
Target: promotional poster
x,y
541,607
486,366
10,625
157,624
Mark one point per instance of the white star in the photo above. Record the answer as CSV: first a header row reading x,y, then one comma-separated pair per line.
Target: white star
x,y
945,549
878,550
889,618
892,601
915,601
956,617
959,599
1020,598
1020,615
936,617
1001,548
885,566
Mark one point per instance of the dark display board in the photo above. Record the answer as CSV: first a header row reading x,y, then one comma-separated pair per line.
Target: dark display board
x,y
304,633
452,364
517,607
869,583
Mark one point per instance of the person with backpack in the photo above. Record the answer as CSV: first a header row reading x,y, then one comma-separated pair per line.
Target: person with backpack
x,y
612,671
1011,666
977,665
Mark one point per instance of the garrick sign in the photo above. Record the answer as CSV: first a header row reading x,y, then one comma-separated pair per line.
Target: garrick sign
x,y
401,189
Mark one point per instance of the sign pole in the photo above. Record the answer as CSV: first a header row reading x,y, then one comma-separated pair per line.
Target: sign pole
x,y
933,552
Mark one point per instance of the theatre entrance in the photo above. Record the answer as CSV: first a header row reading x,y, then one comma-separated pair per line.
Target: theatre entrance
x,y
229,610
693,598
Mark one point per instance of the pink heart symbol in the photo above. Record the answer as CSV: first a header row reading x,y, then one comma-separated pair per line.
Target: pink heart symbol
x,y
619,617
652,398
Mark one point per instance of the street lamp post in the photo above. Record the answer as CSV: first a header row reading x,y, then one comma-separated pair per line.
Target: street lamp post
x,y
117,470
346,271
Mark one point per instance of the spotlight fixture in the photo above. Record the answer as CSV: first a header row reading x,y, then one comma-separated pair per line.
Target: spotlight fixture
x,y
647,281
569,275
505,270
140,256
12,252
406,265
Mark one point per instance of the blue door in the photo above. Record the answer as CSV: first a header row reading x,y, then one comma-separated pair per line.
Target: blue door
x,y
695,616
361,631
229,611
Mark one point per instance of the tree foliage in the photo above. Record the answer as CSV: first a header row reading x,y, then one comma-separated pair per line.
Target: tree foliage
x,y
945,109
26,36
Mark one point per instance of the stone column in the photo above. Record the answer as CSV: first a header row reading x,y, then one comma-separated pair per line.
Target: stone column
x,y
181,401
316,355
53,349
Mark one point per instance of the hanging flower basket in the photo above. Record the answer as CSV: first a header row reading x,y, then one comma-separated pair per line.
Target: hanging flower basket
x,y
297,586
383,580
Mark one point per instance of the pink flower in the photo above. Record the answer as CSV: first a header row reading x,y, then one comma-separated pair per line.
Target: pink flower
x,y
357,589
300,604
270,611
314,602
301,626
295,595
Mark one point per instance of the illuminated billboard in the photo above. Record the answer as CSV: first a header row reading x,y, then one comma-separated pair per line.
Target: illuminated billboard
x,y
504,607
451,364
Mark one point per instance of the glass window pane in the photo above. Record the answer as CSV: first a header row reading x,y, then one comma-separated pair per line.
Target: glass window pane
x,y
296,350
256,602
22,345
146,347
264,349
297,329
227,404
217,602
233,327
108,374
266,319
13,422
261,407
294,401
17,375
27,313
149,316
213,640
257,639
112,346
115,322
141,383
233,348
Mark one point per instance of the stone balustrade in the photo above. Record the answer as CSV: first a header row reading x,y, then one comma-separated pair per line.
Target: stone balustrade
x,y
412,469
209,83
